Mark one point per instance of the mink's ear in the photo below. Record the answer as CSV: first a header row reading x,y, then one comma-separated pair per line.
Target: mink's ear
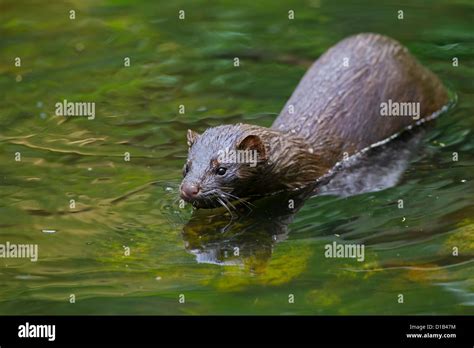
x,y
253,142
192,136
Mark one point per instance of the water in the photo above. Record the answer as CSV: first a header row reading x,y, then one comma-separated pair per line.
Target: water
x,y
120,204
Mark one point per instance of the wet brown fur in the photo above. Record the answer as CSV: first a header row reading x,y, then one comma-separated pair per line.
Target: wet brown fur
x,y
336,112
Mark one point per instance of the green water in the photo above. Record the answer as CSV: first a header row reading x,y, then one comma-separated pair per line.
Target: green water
x,y
135,204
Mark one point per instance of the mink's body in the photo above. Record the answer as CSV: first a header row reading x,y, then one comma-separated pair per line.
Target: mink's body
x,y
335,111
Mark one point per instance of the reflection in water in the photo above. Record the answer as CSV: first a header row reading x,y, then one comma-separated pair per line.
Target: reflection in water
x,y
214,236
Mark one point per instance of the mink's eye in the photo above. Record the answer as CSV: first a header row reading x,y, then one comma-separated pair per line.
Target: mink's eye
x,y
221,171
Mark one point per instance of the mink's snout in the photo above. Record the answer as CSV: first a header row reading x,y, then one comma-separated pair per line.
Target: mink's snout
x,y
189,191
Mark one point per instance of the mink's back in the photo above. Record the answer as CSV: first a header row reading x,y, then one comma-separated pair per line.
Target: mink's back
x,y
336,106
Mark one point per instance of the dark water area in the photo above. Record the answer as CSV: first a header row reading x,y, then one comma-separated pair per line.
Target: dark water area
x,y
250,263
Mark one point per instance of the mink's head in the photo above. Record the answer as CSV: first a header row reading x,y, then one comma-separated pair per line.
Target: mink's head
x,y
223,164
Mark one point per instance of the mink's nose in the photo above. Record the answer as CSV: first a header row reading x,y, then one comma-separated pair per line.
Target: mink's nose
x,y
189,191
